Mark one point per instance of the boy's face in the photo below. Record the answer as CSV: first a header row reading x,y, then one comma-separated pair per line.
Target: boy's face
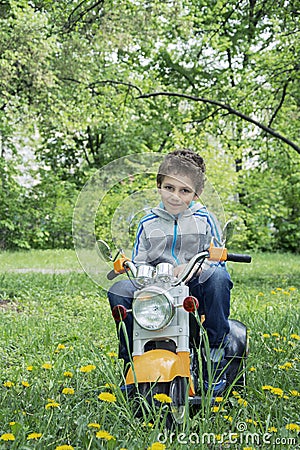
x,y
177,192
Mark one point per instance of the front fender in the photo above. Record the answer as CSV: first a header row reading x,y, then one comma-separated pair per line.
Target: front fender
x,y
159,366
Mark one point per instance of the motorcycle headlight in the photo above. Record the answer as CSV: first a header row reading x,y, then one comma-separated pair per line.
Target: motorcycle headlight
x,y
153,309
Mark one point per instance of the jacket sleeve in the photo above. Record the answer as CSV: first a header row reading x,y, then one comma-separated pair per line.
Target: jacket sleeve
x,y
140,249
215,229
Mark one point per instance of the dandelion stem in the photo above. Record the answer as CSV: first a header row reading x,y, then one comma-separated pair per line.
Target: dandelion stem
x,y
90,443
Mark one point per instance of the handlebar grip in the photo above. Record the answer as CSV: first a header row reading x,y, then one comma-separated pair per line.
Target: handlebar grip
x,y
236,257
111,275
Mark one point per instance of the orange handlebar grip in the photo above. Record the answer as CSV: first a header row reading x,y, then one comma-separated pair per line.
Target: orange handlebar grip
x,y
119,265
217,253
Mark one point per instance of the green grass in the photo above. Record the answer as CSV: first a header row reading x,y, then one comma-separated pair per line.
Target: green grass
x,y
39,259
64,320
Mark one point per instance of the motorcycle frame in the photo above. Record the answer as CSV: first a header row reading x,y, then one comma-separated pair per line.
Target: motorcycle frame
x,y
161,364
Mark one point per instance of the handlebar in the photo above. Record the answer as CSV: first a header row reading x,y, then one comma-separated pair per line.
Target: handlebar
x,y
130,265
213,254
111,275
236,257
197,259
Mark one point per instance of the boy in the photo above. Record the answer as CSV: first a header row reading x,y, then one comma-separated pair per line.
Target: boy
x,y
174,232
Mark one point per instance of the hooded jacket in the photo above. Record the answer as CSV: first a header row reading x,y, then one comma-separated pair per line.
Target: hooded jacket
x,y
162,237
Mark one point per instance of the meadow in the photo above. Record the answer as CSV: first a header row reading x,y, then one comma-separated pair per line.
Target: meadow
x,y
60,376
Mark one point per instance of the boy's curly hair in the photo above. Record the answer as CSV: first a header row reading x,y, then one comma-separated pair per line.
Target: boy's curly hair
x,y
185,162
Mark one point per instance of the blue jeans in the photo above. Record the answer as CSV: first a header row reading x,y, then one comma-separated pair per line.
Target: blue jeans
x,y
212,292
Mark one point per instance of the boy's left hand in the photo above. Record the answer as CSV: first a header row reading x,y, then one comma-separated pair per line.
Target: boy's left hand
x,y
179,269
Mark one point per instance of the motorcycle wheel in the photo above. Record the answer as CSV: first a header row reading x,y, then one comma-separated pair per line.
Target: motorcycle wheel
x,y
177,390
236,374
179,408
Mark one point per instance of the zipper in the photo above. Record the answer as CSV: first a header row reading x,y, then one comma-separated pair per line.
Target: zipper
x,y
174,242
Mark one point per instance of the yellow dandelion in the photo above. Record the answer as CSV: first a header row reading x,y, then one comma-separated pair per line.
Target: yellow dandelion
x,y
215,409
94,425
242,402
293,427
12,424
236,394
295,336
88,368
266,335
218,399
104,435
8,384
29,368
112,354
148,425
279,289
248,448
47,366
7,437
52,405
295,393
107,397
267,387
277,391
276,335
64,447
157,446
278,350
162,398
292,288
34,436
252,369
68,374
272,430
60,347
273,292
25,383
68,391
234,435
286,366
251,421
110,385
260,294
229,418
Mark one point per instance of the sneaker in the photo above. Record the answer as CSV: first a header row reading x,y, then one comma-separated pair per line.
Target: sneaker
x,y
218,375
126,388
216,388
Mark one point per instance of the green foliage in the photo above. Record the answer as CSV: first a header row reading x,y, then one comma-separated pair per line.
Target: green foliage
x,y
39,217
73,73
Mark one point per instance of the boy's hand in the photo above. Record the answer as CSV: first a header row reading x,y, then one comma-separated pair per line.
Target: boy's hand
x,y
179,269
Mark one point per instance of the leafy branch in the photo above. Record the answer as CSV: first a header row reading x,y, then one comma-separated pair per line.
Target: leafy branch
x,y
231,110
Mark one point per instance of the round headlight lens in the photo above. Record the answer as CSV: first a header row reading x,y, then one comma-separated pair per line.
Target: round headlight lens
x,y
153,309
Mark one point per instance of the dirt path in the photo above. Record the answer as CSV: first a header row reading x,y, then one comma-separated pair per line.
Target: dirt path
x,y
46,271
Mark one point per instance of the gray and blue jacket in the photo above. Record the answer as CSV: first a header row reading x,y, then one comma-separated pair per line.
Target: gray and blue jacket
x,y
162,237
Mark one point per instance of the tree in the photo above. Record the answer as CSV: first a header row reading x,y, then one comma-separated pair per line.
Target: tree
x,y
86,75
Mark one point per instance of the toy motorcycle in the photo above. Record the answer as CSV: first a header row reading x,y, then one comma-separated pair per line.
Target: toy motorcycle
x,y
168,337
